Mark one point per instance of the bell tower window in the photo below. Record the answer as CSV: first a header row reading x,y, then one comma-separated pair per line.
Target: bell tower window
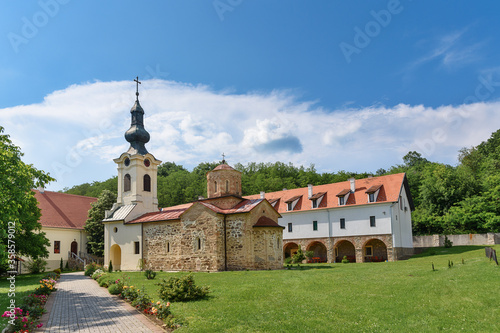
x,y
147,183
126,183
215,187
227,186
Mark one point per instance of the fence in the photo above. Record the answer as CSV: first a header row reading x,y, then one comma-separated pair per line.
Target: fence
x,y
466,239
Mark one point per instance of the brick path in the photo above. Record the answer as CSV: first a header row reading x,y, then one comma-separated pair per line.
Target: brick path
x,y
80,305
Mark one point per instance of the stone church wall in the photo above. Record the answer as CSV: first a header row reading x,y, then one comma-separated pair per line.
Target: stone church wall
x,y
173,246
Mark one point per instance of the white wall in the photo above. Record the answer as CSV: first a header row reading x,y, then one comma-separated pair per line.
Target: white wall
x,y
357,222
125,236
401,219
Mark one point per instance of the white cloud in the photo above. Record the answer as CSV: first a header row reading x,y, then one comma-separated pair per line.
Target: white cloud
x,y
75,133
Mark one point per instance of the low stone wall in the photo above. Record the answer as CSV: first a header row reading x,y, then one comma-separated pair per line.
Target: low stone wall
x,y
458,240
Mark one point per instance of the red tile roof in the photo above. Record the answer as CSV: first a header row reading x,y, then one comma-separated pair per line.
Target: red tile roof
x,y
389,192
373,189
62,210
317,195
223,167
265,221
175,212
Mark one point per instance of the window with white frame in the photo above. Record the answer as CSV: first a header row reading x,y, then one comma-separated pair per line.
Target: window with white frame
x,y
290,227
341,201
314,203
371,197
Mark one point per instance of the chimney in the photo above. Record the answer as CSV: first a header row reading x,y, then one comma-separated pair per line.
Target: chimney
x,y
262,195
309,190
41,189
353,184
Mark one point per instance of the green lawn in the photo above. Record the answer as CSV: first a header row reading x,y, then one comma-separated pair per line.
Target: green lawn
x,y
405,296
25,284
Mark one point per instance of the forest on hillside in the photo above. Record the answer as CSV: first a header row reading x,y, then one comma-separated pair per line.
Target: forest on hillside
x,y
448,199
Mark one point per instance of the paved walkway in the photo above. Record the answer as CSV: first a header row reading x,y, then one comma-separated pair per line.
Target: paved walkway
x,y
80,305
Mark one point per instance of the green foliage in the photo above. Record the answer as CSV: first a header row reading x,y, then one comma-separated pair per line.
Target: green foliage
x,y
163,309
447,243
95,189
309,254
93,225
91,268
149,274
61,266
36,266
299,256
110,267
181,289
115,289
345,260
129,293
142,301
288,261
18,205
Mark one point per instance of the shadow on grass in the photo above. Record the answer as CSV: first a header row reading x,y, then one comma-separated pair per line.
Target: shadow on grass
x,y
306,267
437,251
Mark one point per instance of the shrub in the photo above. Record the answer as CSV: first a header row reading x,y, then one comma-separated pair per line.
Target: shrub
x,y
288,261
67,265
57,271
110,267
161,309
91,268
46,287
309,254
447,243
345,260
142,301
51,276
22,322
61,265
36,266
97,274
115,289
299,256
129,293
149,274
181,289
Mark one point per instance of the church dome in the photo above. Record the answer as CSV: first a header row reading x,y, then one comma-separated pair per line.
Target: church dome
x,y
223,180
137,134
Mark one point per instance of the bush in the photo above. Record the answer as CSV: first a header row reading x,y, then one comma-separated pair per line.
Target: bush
x,y
91,268
61,265
115,289
46,287
57,271
142,301
161,309
97,274
110,267
299,256
129,293
181,289
149,274
288,261
447,243
345,260
36,266
309,254
51,276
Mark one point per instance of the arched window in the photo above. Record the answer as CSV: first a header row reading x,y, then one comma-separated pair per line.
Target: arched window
x,y
168,247
199,243
227,186
215,186
126,183
147,183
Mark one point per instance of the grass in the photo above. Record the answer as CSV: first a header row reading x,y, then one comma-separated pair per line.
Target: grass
x,y
25,284
371,297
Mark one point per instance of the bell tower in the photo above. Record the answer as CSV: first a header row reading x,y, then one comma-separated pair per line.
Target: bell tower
x,y
137,168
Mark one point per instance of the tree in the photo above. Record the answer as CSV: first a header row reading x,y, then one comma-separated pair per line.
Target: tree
x,y
94,226
18,206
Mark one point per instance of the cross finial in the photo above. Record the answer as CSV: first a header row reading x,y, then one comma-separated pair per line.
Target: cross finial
x,y
137,87
223,158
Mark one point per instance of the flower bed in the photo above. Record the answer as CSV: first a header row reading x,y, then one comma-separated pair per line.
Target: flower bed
x,y
26,318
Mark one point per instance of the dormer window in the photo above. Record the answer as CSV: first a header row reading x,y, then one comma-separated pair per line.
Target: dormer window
x,y
343,196
372,193
290,203
316,199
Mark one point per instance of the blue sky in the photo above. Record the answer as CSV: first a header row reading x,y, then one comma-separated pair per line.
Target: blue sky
x,y
345,85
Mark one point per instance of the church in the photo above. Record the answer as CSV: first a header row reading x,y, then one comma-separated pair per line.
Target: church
x,y
222,232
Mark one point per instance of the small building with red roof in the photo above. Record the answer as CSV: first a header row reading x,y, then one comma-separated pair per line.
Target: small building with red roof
x,y
362,219
62,218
